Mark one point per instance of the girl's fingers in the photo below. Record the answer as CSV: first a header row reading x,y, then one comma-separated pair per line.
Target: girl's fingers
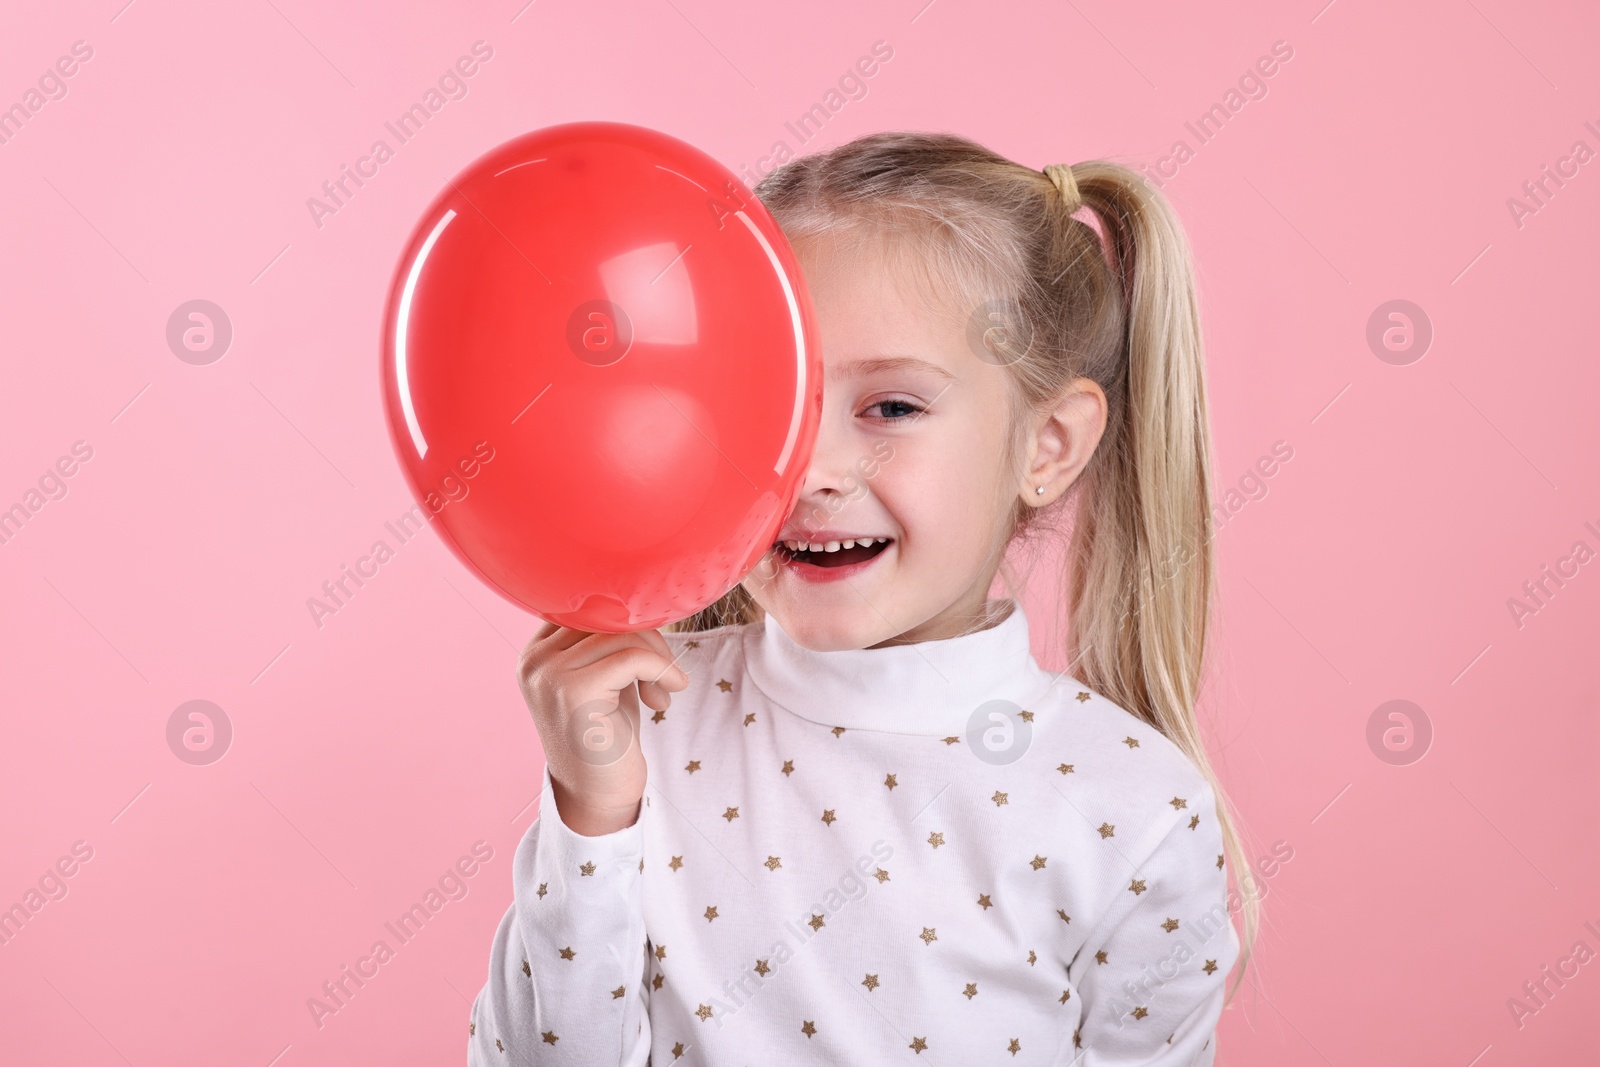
x,y
653,695
667,674
546,641
673,676
621,670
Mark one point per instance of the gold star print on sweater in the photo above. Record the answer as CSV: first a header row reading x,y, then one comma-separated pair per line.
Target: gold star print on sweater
x,y
850,865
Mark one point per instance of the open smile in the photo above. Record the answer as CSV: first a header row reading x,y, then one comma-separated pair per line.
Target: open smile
x,y
831,561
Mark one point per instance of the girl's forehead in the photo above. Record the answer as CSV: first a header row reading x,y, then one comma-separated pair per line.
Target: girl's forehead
x,y
869,319
885,292
892,277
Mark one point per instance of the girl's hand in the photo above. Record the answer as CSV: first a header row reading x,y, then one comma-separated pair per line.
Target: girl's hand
x,y
584,691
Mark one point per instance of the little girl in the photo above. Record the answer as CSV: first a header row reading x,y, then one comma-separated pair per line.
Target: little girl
x,y
873,829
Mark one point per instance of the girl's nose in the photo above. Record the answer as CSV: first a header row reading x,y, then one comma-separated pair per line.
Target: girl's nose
x,y
834,471
821,473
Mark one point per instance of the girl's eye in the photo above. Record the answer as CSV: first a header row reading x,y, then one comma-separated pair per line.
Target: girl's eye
x,y
903,409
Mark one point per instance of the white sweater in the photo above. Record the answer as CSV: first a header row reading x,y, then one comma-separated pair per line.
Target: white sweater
x,y
931,851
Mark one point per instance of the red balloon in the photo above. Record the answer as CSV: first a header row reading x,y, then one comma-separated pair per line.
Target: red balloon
x,y
601,374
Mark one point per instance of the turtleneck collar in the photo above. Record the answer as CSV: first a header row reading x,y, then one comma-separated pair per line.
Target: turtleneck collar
x,y
928,688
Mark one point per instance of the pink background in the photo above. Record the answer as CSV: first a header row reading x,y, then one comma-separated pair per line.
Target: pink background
x,y
370,754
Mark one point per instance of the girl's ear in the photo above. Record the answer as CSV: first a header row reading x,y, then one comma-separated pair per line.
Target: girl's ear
x,y
1063,441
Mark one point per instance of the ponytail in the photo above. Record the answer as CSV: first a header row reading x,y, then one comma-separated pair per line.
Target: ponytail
x,y
1142,559
1143,567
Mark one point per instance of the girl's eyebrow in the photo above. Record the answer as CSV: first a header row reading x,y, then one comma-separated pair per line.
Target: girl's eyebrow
x,y
888,363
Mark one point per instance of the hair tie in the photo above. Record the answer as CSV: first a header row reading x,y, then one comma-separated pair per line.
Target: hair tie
x,y
1060,175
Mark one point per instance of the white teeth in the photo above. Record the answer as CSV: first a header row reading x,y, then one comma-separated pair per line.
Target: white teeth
x,y
831,546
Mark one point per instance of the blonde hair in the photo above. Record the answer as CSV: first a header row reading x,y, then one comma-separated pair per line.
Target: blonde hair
x,y
995,238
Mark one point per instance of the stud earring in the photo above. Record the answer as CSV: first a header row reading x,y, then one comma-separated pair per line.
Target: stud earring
x,y
1039,490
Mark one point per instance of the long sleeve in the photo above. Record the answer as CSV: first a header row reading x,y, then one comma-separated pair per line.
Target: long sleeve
x,y
837,874
1153,975
567,968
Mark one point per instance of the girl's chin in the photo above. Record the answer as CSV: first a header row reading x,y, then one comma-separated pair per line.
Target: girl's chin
x,y
827,631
